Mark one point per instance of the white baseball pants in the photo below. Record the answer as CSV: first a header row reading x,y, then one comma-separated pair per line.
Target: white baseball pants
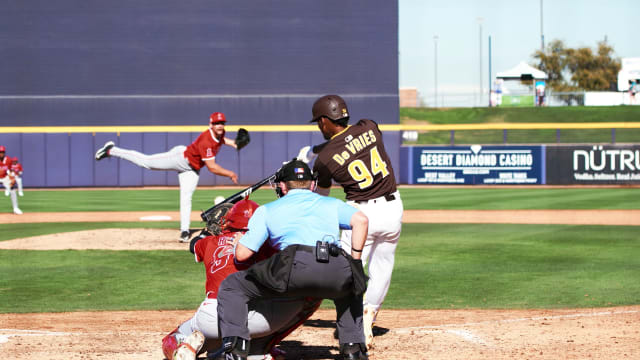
x,y
378,255
171,160
265,318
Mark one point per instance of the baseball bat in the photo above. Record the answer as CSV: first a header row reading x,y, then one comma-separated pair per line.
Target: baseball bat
x,y
243,194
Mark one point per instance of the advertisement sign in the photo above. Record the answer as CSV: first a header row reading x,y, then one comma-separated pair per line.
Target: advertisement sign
x,y
597,164
477,164
517,100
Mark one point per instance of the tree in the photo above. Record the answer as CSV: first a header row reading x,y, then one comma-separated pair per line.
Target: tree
x,y
585,69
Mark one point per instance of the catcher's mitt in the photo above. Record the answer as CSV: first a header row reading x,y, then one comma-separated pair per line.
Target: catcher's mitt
x,y
243,138
216,218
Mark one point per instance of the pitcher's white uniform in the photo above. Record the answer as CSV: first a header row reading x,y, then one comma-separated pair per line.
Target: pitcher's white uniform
x,y
186,160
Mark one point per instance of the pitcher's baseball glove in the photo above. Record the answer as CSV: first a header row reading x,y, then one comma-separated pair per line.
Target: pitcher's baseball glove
x,y
243,138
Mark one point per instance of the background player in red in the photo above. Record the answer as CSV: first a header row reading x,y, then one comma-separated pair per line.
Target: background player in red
x,y
16,168
354,156
8,180
269,321
186,160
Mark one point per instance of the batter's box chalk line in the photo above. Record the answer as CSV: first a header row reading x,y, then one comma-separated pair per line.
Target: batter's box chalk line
x,y
5,334
464,334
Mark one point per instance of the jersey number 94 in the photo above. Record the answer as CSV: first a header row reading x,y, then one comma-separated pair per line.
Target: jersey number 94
x,y
360,172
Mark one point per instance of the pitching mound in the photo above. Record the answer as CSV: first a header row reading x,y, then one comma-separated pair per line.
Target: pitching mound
x,y
104,239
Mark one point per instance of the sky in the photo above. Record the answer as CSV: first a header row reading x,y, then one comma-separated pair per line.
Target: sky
x,y
515,30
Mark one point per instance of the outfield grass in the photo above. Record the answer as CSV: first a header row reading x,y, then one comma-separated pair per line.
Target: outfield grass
x,y
437,266
523,115
515,266
413,198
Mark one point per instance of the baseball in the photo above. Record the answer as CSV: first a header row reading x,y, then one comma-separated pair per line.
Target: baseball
x,y
218,200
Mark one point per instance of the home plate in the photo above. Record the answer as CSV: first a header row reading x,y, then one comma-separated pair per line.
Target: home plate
x,y
155,218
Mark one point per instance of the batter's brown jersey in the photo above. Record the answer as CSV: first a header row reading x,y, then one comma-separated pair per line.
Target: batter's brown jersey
x,y
356,159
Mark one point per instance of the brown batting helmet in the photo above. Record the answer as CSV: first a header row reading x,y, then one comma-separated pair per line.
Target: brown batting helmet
x,y
330,106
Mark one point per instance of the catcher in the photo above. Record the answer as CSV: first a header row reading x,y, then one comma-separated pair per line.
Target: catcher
x,y
269,321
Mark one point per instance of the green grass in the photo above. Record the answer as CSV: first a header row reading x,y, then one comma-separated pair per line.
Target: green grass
x,y
413,198
523,115
71,280
515,266
470,198
437,266
125,200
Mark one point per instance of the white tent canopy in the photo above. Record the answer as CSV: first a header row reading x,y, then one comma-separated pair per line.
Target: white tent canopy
x,y
522,71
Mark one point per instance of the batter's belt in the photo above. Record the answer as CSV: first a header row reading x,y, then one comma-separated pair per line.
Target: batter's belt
x,y
384,198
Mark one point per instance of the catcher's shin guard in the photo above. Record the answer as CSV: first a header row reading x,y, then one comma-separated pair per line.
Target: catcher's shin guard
x,y
353,351
189,348
170,345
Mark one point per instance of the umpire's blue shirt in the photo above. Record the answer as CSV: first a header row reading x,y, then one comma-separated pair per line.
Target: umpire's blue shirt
x,y
300,217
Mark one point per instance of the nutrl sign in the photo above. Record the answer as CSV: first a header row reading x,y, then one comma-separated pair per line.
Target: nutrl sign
x,y
597,164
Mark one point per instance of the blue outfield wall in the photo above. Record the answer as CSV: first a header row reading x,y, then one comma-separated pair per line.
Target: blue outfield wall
x,y
172,63
67,160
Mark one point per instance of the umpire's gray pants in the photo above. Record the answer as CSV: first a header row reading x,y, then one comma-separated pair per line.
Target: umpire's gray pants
x,y
308,277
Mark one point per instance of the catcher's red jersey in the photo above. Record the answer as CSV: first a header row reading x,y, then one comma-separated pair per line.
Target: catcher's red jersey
x,y
204,148
218,259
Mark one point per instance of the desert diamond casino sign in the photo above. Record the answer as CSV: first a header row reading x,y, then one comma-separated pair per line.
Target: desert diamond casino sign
x,y
477,164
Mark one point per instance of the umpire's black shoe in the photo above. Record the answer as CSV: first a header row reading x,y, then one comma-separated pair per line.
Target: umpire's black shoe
x,y
236,348
353,351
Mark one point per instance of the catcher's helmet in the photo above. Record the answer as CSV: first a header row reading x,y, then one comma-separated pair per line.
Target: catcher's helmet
x,y
239,215
331,106
217,117
2,148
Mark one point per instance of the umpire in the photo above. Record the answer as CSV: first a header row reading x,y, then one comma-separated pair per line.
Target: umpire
x,y
305,227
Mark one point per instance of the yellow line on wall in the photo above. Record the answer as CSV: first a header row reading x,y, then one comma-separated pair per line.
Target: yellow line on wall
x,y
305,128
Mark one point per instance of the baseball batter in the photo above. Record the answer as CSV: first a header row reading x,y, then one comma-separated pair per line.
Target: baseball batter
x,y
355,157
268,321
7,178
186,160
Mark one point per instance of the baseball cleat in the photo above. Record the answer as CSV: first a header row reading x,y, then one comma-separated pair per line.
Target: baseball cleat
x,y
6,192
184,237
103,152
20,193
353,351
188,349
17,211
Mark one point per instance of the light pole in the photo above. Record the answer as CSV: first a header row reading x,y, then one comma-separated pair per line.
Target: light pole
x,y
480,59
435,68
541,29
